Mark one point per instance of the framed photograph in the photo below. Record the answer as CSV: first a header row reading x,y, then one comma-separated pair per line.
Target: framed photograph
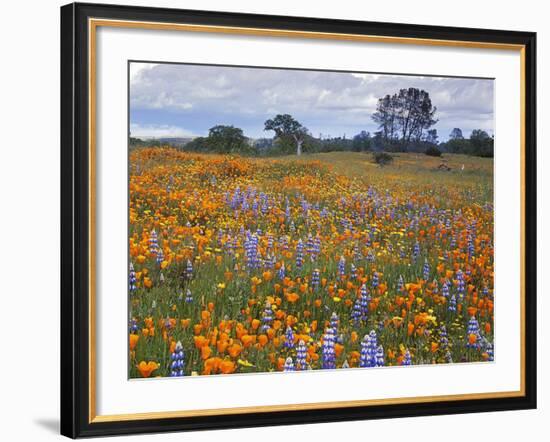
x,y
274,220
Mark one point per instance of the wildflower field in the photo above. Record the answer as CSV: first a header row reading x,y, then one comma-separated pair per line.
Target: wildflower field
x,y
324,261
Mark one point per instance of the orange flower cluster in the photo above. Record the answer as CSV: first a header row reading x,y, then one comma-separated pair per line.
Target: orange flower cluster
x,y
249,262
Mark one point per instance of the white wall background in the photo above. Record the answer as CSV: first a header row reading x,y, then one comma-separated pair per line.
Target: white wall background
x,y
29,218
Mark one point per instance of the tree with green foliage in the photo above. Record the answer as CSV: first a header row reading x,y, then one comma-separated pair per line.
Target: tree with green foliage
x,y
404,117
362,142
226,139
287,128
432,137
481,143
456,142
456,134
386,116
222,139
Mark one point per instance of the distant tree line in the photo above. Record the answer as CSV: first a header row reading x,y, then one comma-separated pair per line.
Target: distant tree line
x,y
479,144
405,124
138,142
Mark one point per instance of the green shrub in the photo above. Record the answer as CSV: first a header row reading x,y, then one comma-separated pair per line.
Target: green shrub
x,y
433,151
382,158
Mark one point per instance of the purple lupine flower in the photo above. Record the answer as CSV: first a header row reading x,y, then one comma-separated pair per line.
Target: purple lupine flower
x,y
375,280
289,337
353,271
379,357
443,339
445,289
490,352
334,321
357,253
372,348
317,246
284,242
301,353
370,256
251,250
364,299
460,283
356,312
426,270
188,296
407,358
281,272
342,266
453,242
416,251
189,269
299,254
473,329
270,262
435,287
231,245
132,279
133,325
292,227
267,317
471,248
309,245
400,284
364,355
452,303
328,355
315,278
177,363
160,256
369,348
153,243
289,365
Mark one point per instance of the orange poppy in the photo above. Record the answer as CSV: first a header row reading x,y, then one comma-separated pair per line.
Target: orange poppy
x,y
146,368
133,341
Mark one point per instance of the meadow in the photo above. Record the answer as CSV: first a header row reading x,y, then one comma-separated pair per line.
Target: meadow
x,y
324,261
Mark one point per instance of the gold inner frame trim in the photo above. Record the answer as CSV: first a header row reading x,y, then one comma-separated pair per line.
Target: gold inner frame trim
x,y
93,24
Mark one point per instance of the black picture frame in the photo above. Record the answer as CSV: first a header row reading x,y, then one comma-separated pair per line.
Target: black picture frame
x,y
75,220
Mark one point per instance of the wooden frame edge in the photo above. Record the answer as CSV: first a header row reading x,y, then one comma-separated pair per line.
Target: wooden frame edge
x,y
69,17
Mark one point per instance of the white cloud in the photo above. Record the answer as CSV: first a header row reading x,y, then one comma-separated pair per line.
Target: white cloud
x,y
323,101
158,131
137,68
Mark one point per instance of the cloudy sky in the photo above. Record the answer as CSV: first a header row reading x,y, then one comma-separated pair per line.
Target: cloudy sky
x,y
175,100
